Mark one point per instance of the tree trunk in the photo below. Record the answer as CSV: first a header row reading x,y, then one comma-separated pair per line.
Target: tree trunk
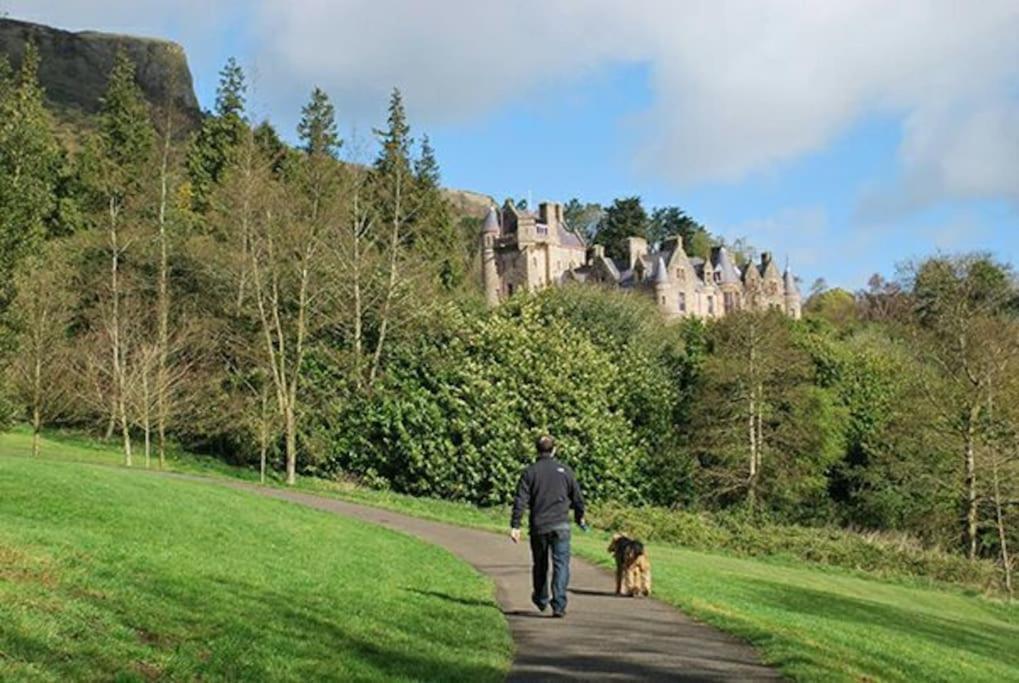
x,y
291,427
970,536
394,243
752,479
111,422
358,330
115,327
263,433
146,417
1006,561
163,304
36,399
36,426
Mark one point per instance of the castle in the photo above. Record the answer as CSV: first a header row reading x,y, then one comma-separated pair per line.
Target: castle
x,y
522,250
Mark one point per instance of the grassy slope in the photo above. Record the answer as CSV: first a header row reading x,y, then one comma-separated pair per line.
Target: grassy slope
x,y
109,574
815,623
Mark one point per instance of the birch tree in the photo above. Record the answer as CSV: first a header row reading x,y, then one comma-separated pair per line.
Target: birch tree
x,y
756,418
960,303
43,312
289,258
115,162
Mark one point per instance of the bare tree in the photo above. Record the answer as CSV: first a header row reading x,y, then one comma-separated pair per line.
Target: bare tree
x,y
167,178
43,309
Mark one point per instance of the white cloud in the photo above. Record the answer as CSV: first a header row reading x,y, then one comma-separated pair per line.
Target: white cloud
x,y
738,87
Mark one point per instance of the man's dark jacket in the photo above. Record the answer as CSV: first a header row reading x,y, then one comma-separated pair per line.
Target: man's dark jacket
x,y
549,489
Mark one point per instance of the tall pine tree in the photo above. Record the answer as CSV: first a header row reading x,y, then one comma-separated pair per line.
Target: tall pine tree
x,y
30,164
435,232
317,128
214,147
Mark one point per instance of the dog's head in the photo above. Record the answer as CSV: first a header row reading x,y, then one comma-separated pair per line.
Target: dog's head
x,y
617,540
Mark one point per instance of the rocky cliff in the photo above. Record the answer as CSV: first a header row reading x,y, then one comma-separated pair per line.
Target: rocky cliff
x,y
74,67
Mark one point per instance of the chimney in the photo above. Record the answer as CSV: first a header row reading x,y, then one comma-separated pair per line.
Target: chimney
x,y
636,247
672,243
765,259
597,251
550,213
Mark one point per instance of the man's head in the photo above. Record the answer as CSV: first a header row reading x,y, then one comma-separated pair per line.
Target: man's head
x,y
545,445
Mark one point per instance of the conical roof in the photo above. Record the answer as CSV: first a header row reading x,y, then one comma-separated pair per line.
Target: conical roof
x,y
790,282
491,222
725,266
661,272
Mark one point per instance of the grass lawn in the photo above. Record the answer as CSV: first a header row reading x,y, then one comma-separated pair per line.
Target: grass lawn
x,y
815,623
107,574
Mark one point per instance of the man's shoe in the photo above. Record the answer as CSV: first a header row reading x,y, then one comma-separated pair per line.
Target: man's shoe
x,y
559,615
542,606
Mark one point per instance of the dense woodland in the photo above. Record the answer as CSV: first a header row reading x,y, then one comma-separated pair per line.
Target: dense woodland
x,y
314,309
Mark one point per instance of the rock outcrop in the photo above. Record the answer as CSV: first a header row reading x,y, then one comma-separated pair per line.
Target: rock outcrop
x,y
74,67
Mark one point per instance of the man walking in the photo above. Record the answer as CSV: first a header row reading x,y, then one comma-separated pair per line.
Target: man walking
x,y
549,489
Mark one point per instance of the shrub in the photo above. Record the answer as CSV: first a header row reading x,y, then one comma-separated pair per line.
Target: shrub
x,y
880,554
457,412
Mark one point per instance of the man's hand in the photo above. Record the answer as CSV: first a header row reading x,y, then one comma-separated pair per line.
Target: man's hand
x,y
515,535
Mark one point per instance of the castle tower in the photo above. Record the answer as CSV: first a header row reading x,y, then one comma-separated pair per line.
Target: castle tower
x,y
489,271
662,286
793,304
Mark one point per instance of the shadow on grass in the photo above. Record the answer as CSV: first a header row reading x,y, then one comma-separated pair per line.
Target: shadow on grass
x,y
884,624
216,628
469,602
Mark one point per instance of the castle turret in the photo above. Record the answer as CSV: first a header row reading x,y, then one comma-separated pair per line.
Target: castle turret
x,y
489,271
793,304
662,285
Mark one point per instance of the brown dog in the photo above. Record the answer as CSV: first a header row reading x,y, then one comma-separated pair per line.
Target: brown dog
x,y
633,567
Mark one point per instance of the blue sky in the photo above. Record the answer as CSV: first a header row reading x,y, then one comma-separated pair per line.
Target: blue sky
x,y
846,137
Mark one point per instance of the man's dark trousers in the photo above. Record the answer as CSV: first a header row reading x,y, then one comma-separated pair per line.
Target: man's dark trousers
x,y
555,543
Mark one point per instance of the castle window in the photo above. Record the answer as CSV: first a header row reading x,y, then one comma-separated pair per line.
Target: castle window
x,y
711,305
682,302
730,302
663,301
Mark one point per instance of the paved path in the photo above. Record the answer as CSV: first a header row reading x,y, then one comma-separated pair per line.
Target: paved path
x,y
603,638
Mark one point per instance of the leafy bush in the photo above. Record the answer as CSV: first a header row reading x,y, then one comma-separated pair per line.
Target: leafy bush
x,y
881,554
460,405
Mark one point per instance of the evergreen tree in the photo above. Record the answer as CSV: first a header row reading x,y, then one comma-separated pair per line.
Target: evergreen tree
x,y
317,128
214,147
426,167
125,127
435,230
231,95
625,218
270,147
669,221
30,164
394,156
